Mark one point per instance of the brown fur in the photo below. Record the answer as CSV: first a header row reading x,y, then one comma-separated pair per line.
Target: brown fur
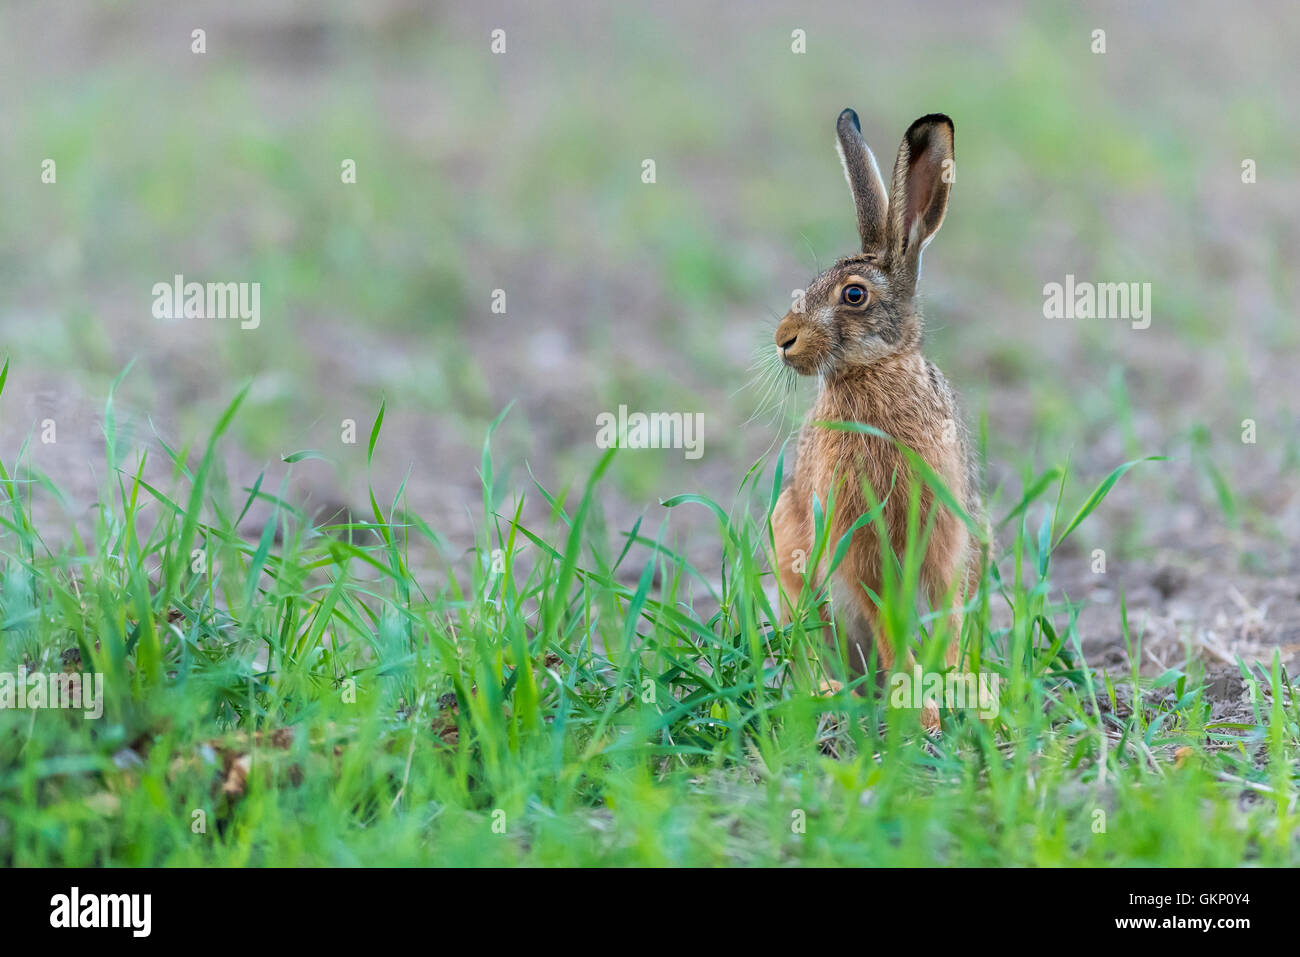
x,y
867,356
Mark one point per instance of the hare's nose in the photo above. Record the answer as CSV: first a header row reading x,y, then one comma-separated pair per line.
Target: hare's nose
x,y
787,334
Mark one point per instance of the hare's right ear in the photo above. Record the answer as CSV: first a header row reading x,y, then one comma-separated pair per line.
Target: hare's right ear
x,y
918,199
863,174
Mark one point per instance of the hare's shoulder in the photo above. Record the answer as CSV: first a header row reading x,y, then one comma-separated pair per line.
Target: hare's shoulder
x,y
940,389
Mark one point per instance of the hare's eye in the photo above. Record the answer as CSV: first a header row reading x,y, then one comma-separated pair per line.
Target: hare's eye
x,y
854,295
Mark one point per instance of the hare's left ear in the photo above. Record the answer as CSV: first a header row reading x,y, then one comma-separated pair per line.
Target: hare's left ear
x,y
865,184
923,175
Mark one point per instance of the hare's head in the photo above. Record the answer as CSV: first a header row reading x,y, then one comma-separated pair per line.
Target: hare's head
x,y
861,309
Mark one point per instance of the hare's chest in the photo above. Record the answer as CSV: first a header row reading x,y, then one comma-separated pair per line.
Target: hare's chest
x,y
856,466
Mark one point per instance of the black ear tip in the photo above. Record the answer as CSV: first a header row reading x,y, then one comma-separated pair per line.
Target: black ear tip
x,y
931,119
919,133
852,117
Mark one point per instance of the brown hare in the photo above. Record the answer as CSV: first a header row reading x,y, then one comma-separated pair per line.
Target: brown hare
x,y
859,332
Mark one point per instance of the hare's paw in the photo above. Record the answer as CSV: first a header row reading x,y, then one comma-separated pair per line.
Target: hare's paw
x,y
930,718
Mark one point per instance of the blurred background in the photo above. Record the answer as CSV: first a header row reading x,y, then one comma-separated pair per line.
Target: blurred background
x,y
521,171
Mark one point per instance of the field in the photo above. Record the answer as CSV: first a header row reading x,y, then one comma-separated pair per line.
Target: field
x,y
364,589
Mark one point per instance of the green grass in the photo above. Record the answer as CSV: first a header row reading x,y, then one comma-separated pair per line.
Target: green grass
x,y
597,698
575,694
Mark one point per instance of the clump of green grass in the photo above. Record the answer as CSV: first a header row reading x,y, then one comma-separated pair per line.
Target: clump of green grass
x,y
361,693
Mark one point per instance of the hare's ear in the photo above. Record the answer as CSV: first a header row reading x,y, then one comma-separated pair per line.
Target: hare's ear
x,y
923,175
863,174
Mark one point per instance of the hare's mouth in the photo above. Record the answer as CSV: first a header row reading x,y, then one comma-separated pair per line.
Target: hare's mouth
x,y
798,358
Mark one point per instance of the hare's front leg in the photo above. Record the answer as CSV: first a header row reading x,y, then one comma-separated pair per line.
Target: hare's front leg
x,y
945,573
885,648
868,620
792,538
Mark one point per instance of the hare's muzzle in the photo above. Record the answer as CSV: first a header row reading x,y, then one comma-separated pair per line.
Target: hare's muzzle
x,y
787,336
792,342
801,343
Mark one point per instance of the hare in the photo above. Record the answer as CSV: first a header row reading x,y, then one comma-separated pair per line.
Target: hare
x,y
859,332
